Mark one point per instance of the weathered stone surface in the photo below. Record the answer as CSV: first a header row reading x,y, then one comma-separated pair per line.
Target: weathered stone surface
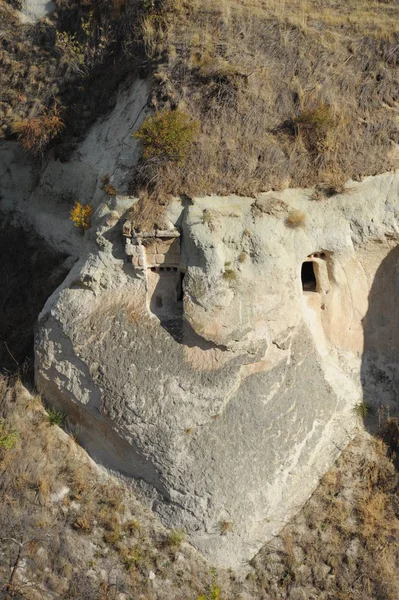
x,y
231,416
34,10
41,194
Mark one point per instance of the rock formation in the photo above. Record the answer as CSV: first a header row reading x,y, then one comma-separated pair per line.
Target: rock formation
x,y
40,192
34,10
218,362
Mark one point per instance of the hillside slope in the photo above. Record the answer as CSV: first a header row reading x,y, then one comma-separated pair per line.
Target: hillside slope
x,y
70,531
284,94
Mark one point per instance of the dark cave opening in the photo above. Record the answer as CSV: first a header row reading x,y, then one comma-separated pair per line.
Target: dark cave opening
x,y
308,277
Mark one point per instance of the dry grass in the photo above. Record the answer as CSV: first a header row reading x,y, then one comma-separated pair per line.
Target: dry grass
x,y
230,275
225,527
147,214
75,533
286,94
296,219
345,542
370,17
70,531
35,133
79,55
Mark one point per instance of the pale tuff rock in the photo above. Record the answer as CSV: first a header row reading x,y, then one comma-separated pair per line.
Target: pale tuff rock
x,y
34,10
226,384
41,192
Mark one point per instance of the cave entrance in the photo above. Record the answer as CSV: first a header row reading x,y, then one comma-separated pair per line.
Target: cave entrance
x,y
308,276
165,296
165,291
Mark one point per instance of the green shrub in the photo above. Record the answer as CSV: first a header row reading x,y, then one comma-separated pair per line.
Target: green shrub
x,y
167,135
72,52
363,409
54,417
114,536
175,538
134,558
131,526
8,439
213,593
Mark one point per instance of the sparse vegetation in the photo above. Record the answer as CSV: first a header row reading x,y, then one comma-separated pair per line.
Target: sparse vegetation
x,y
175,538
110,189
214,591
66,56
363,409
35,133
132,526
52,492
225,527
66,532
334,545
72,52
107,186
286,96
54,417
229,274
295,219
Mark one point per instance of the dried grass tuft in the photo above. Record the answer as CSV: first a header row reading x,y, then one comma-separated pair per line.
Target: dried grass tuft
x,y
296,219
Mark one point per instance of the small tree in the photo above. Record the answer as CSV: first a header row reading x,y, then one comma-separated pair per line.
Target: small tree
x,y
167,135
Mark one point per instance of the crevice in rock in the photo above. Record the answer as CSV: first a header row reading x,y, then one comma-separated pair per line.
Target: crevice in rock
x,y
29,272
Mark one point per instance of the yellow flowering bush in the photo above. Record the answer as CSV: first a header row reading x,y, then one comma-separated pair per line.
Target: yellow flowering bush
x,y
81,215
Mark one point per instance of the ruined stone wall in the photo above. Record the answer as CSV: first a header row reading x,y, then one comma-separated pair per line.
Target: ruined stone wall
x,y
156,257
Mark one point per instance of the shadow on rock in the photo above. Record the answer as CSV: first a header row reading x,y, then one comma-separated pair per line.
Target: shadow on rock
x,y
380,360
29,273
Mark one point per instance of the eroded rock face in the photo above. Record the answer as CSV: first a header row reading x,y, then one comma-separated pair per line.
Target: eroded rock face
x,y
34,10
40,192
228,411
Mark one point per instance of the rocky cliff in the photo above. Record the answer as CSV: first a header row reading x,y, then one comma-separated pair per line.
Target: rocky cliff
x,y
228,407
210,349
